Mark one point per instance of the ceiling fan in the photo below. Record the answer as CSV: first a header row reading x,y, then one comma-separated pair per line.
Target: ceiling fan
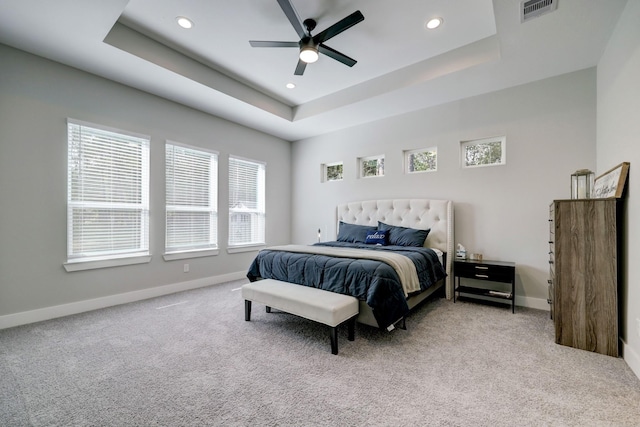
x,y
310,45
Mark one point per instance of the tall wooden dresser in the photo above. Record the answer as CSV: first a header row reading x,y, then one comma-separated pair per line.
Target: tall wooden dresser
x,y
583,265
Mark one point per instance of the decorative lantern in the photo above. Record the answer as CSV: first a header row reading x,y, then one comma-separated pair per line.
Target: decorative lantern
x,y
582,184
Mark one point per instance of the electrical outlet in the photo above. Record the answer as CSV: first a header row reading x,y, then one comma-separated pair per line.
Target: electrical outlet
x,y
186,268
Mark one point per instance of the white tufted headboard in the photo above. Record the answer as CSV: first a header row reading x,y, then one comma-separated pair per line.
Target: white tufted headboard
x,y
415,213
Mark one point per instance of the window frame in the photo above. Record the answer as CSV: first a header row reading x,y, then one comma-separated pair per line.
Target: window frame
x,y
211,247
408,153
258,213
325,171
465,144
76,260
362,160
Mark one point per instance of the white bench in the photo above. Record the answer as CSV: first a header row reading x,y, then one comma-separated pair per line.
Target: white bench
x,y
318,305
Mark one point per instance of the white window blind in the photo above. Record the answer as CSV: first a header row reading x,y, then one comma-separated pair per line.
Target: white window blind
x,y
191,199
246,202
107,193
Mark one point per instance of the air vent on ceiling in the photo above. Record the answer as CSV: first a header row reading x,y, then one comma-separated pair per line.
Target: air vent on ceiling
x,y
530,9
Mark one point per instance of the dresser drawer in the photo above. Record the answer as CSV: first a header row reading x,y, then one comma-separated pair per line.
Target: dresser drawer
x,y
480,271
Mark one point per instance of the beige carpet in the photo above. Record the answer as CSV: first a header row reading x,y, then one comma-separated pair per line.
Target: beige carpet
x,y
190,359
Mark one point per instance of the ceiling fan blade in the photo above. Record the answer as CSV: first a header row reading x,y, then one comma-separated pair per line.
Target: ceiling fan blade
x,y
265,43
336,55
293,17
339,27
300,67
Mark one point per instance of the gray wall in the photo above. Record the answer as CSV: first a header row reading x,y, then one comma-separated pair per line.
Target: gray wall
x,y
36,97
618,140
500,211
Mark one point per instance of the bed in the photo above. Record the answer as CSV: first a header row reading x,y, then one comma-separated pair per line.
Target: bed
x,y
388,280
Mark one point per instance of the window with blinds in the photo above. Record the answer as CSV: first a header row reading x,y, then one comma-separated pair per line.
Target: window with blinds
x,y
246,202
107,193
191,199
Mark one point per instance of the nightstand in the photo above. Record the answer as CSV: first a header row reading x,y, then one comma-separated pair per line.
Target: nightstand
x,y
492,271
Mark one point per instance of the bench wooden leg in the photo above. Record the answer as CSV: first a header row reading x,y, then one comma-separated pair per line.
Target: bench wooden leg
x,y
351,325
334,339
247,310
268,309
403,325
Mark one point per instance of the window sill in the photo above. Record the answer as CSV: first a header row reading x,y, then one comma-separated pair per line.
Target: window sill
x,y
80,265
171,256
247,248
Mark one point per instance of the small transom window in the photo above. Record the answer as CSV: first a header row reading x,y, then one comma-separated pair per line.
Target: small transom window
x,y
421,160
483,152
371,166
332,171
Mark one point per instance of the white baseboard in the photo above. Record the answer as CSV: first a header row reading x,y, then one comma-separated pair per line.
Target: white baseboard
x,y
32,316
537,303
632,358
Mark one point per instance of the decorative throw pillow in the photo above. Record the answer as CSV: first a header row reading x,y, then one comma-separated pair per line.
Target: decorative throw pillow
x,y
378,237
404,236
353,233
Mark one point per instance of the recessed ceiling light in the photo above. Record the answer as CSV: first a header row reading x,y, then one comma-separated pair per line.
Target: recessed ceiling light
x,y
433,23
290,86
184,22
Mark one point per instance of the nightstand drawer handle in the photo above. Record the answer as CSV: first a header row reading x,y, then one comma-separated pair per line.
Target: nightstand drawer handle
x,y
484,276
481,268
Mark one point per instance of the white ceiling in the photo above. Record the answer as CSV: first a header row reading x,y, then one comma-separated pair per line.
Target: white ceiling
x,y
402,67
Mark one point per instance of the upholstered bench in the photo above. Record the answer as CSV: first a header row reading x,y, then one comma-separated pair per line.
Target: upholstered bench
x,y
326,307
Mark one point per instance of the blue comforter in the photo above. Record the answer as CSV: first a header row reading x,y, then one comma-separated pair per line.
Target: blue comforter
x,y
372,281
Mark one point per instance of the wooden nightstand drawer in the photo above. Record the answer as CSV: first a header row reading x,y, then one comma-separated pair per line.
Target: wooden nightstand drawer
x,y
485,271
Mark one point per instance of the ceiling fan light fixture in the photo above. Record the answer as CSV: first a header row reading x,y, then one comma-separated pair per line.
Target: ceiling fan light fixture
x,y
310,46
309,54
433,23
184,22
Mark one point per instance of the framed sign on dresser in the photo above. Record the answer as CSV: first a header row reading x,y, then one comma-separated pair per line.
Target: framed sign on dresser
x,y
584,253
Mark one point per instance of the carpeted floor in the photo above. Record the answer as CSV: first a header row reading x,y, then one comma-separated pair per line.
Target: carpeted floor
x,y
190,359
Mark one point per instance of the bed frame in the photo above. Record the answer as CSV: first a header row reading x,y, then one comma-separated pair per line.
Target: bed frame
x,y
436,215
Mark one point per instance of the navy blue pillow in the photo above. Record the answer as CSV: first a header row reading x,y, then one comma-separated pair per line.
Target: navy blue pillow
x,y
378,237
404,236
353,233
